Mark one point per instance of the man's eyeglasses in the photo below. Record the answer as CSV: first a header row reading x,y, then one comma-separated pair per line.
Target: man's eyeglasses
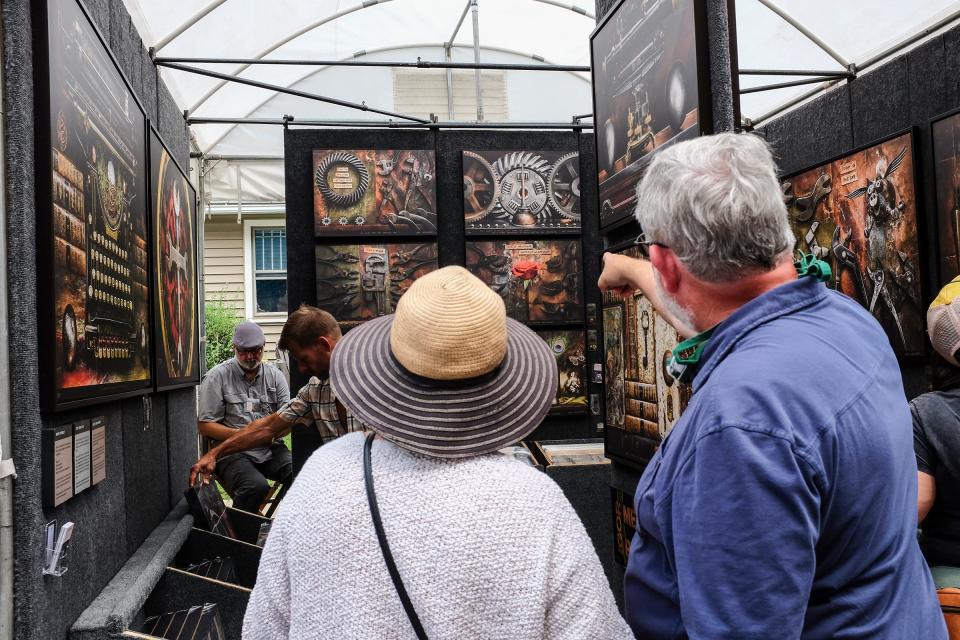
x,y
255,351
645,244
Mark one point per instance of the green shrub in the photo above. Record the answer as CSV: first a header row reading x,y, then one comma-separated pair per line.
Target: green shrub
x,y
221,321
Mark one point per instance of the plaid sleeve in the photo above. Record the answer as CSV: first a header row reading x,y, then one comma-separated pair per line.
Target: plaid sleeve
x,y
297,409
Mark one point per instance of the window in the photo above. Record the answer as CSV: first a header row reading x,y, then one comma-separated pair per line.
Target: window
x,y
270,270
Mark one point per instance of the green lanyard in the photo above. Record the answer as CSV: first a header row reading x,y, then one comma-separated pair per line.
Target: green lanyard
x,y
686,355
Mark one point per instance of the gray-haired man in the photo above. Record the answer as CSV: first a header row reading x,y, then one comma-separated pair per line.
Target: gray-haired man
x,y
783,503
234,394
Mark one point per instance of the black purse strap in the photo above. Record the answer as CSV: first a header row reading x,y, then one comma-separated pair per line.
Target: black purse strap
x,y
382,538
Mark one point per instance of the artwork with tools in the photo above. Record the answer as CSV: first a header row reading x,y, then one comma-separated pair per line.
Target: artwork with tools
x,y
363,192
859,213
645,92
173,203
539,280
99,316
521,190
568,348
946,172
360,282
643,400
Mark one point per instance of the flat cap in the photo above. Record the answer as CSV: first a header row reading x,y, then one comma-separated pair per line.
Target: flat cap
x,y
248,335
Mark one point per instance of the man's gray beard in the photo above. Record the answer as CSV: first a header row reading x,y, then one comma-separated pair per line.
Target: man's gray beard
x,y
246,367
673,307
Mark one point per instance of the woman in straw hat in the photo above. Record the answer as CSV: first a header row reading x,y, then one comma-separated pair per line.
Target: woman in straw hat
x,y
424,530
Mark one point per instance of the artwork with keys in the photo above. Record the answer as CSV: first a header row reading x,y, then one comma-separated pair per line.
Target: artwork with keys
x,y
511,191
946,174
858,212
173,202
366,192
360,282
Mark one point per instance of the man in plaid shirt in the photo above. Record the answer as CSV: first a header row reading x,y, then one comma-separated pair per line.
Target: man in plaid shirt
x,y
309,335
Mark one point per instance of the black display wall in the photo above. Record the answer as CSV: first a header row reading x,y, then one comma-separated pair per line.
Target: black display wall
x,y
151,441
448,146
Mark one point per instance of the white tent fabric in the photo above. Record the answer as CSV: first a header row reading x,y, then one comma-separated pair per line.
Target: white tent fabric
x,y
555,31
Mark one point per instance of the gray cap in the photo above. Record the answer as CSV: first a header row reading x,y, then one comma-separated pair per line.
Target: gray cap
x,y
248,335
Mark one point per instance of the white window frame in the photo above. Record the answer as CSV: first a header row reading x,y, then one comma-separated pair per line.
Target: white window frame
x,y
250,265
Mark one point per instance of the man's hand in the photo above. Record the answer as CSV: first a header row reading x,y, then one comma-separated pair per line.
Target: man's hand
x,y
204,467
623,275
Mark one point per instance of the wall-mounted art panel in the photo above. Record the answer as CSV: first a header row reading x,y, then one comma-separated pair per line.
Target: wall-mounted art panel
x,y
173,202
946,173
364,192
96,204
360,282
648,91
511,191
859,213
539,280
568,348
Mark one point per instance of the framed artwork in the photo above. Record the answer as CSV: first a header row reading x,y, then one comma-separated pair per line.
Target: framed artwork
x,y
516,191
568,349
539,280
643,401
173,204
357,282
366,191
945,132
859,213
94,301
650,89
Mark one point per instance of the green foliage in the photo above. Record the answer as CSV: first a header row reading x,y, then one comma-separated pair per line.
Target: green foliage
x,y
221,321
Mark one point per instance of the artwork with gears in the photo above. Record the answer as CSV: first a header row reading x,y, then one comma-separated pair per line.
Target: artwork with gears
x,y
859,213
946,173
173,202
364,192
643,401
645,92
539,280
568,348
360,282
511,191
97,318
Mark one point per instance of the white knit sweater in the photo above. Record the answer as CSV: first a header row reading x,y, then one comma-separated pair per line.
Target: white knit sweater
x,y
487,547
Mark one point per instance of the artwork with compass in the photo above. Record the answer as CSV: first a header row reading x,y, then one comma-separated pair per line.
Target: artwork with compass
x,y
946,173
364,192
859,213
643,401
360,282
539,280
568,349
511,191
97,321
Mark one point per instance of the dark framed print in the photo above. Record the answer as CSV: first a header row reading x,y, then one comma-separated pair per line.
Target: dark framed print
x,y
650,89
945,133
367,191
568,348
94,301
519,191
173,206
859,213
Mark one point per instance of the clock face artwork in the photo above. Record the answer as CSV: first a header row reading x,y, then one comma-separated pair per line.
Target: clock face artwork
x,y
516,191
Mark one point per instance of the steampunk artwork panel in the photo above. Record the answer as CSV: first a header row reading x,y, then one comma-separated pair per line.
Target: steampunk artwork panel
x,y
946,172
645,93
98,217
510,191
643,401
368,191
360,282
539,280
568,348
859,213
174,218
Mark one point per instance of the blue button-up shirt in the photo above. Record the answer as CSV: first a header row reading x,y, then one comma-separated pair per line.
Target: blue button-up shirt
x,y
784,502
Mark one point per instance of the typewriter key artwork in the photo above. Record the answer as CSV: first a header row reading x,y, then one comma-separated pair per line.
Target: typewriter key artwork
x,y
568,349
97,321
360,282
363,192
539,280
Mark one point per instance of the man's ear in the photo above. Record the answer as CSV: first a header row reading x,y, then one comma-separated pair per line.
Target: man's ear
x,y
665,262
326,342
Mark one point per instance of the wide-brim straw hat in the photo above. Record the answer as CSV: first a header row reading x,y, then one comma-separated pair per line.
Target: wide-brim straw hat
x,y
448,375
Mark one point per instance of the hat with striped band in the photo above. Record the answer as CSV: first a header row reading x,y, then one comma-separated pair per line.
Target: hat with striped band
x,y
448,375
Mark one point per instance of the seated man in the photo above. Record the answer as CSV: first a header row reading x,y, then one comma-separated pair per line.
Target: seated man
x,y
234,394
309,335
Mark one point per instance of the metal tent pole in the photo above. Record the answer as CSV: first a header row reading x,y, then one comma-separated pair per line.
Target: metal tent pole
x,y
830,51
475,10
419,64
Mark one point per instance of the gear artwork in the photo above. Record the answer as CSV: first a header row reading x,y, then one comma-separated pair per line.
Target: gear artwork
x,y
523,187
481,184
325,221
343,220
563,185
337,162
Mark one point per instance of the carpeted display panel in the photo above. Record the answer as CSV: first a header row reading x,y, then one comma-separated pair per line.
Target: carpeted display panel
x,y
145,470
181,410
